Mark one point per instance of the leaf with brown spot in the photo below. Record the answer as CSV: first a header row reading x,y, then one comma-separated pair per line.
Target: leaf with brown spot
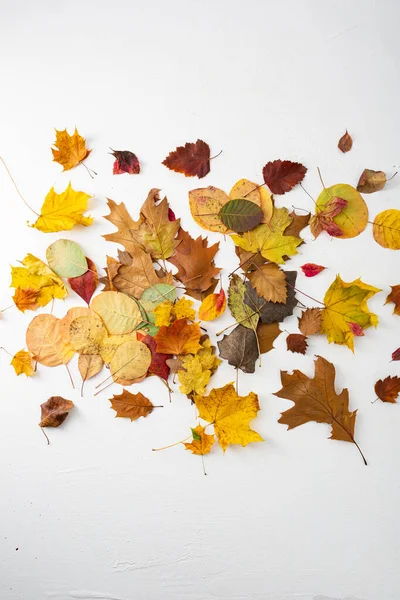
x,y
297,342
125,162
388,389
310,321
240,349
345,143
267,334
192,159
282,175
394,297
371,181
55,411
270,282
131,406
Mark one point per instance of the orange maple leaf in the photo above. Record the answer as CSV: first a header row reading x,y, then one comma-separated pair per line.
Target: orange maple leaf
x,y
178,338
70,150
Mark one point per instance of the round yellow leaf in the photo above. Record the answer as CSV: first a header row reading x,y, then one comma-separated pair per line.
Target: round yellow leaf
x,y
205,204
353,219
387,229
112,342
130,361
87,334
119,312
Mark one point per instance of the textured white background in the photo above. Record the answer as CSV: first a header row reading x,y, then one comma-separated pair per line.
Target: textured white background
x,y
97,515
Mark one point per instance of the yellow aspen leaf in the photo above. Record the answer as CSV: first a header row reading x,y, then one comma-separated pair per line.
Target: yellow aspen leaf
x,y
346,305
87,333
70,150
269,240
193,377
213,306
201,443
387,229
130,362
61,212
230,414
23,363
353,219
36,276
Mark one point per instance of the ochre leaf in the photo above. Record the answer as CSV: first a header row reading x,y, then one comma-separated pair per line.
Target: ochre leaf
x,y
36,276
139,275
345,143
297,342
386,229
130,362
28,299
131,406
371,181
178,338
271,312
230,414
126,226
61,212
55,411
125,162
205,205
213,306
70,150
191,159
267,334
310,321
89,365
311,269
388,389
347,303
255,193
316,400
87,334
120,314
202,442
46,341
352,219
394,297
22,363
282,175
85,285
270,282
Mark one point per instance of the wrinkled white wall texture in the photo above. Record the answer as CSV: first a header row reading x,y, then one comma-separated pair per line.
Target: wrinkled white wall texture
x,y
97,515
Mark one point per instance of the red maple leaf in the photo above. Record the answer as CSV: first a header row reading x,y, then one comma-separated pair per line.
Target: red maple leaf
x,y
282,175
191,159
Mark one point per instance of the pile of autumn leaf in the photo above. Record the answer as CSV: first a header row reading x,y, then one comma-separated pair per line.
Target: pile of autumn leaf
x,y
138,327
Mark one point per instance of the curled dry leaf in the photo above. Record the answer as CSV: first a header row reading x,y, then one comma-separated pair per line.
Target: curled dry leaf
x,y
297,342
66,258
371,181
23,363
345,143
310,321
85,285
131,406
61,212
192,159
240,349
46,341
119,313
394,297
386,229
311,269
201,443
388,389
54,411
178,338
282,175
125,162
70,150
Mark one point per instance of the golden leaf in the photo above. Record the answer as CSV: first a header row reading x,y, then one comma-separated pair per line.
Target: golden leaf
x,y
120,314
178,338
387,229
255,193
201,443
270,282
26,299
70,149
353,219
213,306
61,212
205,204
36,276
130,362
22,363
166,312
193,377
87,334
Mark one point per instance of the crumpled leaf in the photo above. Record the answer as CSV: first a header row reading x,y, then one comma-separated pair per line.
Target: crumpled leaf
x,y
125,162
35,276
310,321
240,349
241,215
230,414
386,229
267,334
54,411
213,306
282,175
61,212
66,258
347,303
191,159
352,219
85,285
130,362
205,205
120,314
120,217
311,269
394,297
167,312
46,341
202,442
139,275
194,260
70,150
316,400
345,143
388,389
23,363
178,338
131,406
269,240
297,342
371,181
270,282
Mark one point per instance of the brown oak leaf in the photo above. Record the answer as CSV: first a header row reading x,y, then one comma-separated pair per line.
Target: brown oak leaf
x,y
388,389
282,175
136,277
191,159
120,217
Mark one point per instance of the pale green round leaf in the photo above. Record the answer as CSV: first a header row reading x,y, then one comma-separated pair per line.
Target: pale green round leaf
x,y
156,294
66,259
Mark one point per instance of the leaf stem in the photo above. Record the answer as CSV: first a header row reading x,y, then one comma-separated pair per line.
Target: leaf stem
x,y
216,155
16,188
172,445
45,435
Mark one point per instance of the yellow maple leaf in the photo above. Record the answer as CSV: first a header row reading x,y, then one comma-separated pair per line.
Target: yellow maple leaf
x,y
269,240
206,355
37,276
167,312
70,150
193,376
230,414
61,212
345,304
201,443
163,314
22,363
183,309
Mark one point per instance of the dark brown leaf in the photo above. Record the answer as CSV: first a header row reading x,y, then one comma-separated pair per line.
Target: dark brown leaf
x,y
297,342
282,175
388,389
55,411
239,348
346,142
272,312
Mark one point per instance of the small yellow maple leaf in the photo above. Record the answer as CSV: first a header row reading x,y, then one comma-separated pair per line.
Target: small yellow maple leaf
x,y
26,299
193,376
269,240
70,150
201,443
36,276
207,357
22,363
183,309
230,414
163,314
345,304
61,212
167,312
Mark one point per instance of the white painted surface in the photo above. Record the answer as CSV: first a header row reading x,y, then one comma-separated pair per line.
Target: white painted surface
x,y
97,515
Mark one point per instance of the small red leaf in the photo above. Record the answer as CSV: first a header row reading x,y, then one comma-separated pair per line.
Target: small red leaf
x,y
346,142
331,228
191,159
158,364
396,354
311,269
356,329
125,162
282,175
171,215
85,285
334,207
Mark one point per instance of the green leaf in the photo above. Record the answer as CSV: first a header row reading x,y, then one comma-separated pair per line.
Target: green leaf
x,y
196,436
156,294
244,315
241,215
66,259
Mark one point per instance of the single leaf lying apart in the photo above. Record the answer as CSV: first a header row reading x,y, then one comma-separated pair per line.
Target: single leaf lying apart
x,y
202,442
125,162
282,175
36,284
345,143
371,181
70,149
54,411
131,406
297,342
388,389
386,229
22,363
61,212
191,159
230,414
394,297
311,269
316,400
